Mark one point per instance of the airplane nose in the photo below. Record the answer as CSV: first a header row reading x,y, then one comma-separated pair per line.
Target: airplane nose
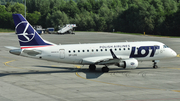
x,y
174,53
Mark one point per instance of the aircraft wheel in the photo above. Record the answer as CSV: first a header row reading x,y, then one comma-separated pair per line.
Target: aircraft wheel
x,y
155,66
92,67
105,69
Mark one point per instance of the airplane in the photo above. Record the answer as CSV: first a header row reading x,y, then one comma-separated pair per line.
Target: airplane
x,y
121,54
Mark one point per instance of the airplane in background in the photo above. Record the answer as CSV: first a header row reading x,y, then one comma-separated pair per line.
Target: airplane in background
x,y
121,54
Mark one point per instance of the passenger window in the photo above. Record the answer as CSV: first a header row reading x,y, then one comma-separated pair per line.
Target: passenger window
x,y
87,50
74,51
92,50
96,50
69,51
83,50
105,49
78,50
115,49
124,48
101,49
119,48
128,48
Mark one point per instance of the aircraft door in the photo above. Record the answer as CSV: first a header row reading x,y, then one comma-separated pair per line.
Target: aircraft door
x,y
62,53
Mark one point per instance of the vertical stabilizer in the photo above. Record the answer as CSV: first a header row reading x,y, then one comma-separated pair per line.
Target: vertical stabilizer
x,y
28,37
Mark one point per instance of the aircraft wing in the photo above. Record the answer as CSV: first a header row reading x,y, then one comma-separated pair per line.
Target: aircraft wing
x,y
103,60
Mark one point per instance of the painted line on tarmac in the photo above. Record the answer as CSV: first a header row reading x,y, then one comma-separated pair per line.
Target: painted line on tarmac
x,y
77,74
6,64
171,68
176,91
178,55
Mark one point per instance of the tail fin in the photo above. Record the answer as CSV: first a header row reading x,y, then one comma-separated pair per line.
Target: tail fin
x,y
28,37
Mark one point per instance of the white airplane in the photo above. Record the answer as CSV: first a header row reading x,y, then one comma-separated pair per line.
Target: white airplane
x,y
121,54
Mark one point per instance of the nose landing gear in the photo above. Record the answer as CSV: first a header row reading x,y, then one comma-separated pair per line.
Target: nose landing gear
x,y
155,64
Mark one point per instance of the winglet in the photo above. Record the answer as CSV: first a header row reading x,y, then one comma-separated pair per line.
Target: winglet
x,y
113,55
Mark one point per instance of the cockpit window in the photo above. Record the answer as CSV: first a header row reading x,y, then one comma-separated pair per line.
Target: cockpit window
x,y
165,46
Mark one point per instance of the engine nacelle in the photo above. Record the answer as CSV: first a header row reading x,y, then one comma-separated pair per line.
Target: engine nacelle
x,y
128,63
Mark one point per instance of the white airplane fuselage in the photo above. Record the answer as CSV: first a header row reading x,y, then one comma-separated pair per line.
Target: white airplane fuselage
x,y
75,53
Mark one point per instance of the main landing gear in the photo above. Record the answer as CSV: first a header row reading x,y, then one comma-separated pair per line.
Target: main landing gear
x,y
155,64
105,69
92,67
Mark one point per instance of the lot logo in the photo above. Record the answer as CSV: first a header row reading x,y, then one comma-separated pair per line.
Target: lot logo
x,y
143,51
132,63
25,32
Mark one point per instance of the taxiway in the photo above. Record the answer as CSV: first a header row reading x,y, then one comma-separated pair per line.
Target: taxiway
x,y
26,79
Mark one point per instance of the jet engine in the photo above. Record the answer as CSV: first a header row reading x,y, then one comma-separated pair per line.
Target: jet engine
x,y
128,63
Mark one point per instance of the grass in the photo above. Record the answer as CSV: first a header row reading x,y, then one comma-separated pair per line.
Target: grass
x,y
6,30
147,34
128,33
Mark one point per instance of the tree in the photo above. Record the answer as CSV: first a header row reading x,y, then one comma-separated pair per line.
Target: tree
x,y
71,8
57,19
85,21
8,6
170,6
34,17
6,20
136,16
148,14
2,8
18,8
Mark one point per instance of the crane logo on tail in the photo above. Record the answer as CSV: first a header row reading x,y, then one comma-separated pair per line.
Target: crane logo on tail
x,y
27,34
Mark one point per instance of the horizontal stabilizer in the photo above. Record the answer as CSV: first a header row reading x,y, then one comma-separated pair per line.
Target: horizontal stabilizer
x,y
11,47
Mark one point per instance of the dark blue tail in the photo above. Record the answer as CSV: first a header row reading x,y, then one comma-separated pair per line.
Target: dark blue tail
x,y
28,37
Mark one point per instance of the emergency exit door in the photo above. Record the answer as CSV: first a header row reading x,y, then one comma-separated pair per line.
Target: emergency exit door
x,y
62,53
